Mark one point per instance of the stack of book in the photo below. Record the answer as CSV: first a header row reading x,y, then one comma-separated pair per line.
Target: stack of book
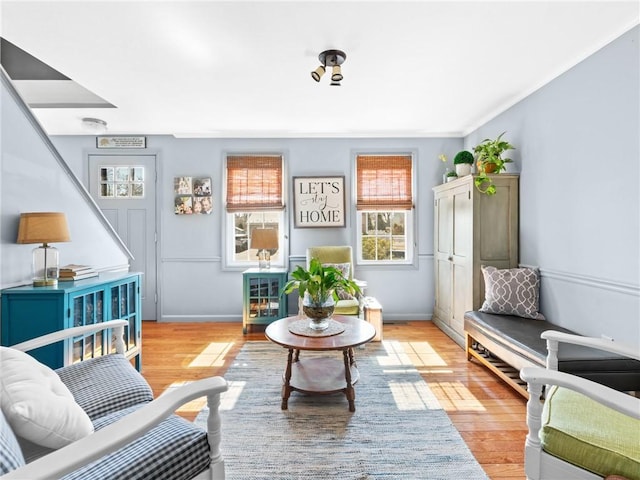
x,y
72,272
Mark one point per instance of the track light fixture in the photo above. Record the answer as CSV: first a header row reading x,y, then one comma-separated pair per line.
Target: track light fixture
x,y
333,59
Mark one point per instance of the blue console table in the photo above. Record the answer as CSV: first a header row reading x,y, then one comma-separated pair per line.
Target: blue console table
x,y
28,312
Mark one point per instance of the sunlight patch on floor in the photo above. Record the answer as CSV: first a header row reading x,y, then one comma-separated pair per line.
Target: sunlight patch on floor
x,y
194,405
418,354
229,398
395,355
413,396
455,397
450,396
213,355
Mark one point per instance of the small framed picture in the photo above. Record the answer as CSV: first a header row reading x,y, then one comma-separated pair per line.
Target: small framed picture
x,y
182,185
192,195
183,205
318,202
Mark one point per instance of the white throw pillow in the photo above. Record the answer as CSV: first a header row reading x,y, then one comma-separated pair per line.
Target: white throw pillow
x,y
38,406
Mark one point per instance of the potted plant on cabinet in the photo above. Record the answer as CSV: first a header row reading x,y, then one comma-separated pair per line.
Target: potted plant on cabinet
x,y
489,160
451,176
319,285
463,161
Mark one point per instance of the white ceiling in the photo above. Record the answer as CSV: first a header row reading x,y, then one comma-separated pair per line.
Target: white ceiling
x,y
242,69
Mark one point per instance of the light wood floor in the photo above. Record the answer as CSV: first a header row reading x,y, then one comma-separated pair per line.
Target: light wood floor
x,y
489,415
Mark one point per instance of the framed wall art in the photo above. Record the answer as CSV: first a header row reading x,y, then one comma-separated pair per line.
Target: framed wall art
x,y
318,202
192,195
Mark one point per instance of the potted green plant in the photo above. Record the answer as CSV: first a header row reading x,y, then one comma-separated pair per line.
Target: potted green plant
x,y
451,176
463,162
318,286
489,160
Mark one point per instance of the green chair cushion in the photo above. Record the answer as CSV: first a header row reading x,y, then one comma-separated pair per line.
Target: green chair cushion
x,y
347,307
585,433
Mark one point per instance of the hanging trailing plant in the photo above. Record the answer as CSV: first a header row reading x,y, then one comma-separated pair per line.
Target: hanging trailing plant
x,y
489,160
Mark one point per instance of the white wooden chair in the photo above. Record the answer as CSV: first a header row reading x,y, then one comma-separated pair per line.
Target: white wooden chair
x,y
144,416
542,459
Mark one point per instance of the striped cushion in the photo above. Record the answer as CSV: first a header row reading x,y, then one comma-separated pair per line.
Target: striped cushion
x,y
10,453
105,384
585,433
175,449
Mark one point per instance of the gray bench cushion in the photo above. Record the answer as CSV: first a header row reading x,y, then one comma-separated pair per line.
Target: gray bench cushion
x,y
105,384
517,341
175,449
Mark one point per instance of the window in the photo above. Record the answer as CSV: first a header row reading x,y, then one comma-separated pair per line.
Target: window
x,y
384,201
254,199
122,182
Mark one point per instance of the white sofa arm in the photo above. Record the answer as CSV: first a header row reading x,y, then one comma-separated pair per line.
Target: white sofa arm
x,y
536,378
117,325
127,429
553,338
619,401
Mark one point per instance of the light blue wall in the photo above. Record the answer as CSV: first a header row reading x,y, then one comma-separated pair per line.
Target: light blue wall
x,y
578,151
578,154
192,283
34,179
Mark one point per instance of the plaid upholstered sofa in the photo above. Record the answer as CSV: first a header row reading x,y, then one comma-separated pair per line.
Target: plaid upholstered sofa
x,y
97,419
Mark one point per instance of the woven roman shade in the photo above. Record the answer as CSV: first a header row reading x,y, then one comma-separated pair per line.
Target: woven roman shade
x,y
254,182
384,182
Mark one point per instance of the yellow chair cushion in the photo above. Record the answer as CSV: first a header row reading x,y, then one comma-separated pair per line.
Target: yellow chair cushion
x,y
585,433
347,307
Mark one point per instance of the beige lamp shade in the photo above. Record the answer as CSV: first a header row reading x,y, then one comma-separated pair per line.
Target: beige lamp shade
x,y
264,239
43,227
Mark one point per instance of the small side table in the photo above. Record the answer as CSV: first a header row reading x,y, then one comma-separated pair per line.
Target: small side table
x,y
373,314
262,301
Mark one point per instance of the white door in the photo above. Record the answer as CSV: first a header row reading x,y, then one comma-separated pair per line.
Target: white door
x,y
124,187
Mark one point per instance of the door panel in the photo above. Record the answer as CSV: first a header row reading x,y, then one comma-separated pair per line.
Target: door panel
x,y
133,216
462,225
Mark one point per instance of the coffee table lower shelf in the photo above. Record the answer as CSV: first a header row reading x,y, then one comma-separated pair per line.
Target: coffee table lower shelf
x,y
321,376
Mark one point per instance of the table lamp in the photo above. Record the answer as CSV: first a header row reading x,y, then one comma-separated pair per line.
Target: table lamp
x,y
264,239
45,228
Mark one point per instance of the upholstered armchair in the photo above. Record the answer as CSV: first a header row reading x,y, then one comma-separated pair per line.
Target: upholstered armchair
x,y
342,257
581,429
98,418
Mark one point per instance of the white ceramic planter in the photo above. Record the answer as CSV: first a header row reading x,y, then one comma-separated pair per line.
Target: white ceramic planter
x,y
463,169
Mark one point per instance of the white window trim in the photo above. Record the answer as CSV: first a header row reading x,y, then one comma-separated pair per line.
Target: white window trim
x,y
412,217
228,226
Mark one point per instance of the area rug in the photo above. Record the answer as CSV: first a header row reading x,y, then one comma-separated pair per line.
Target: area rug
x,y
398,431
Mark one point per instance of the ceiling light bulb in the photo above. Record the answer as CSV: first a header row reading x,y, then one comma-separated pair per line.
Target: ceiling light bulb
x,y
317,73
336,74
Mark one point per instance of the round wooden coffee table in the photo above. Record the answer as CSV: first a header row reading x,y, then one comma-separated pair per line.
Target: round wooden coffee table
x,y
321,375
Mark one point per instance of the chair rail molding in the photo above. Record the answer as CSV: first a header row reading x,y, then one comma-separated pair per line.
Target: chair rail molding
x,y
589,281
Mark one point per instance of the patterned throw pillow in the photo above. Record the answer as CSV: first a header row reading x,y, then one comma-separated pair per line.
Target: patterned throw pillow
x,y
512,291
345,269
342,295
